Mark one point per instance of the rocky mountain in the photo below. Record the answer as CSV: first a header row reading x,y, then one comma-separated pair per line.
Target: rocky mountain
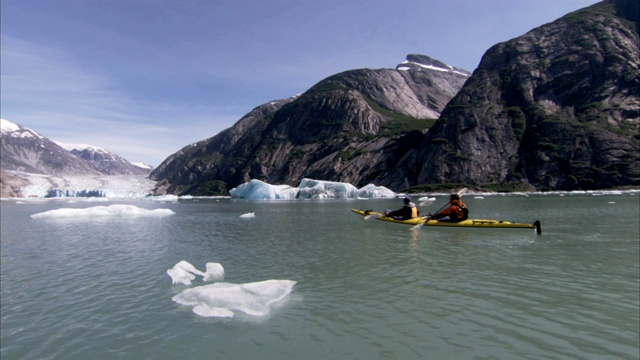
x,y
25,150
557,108
356,127
105,161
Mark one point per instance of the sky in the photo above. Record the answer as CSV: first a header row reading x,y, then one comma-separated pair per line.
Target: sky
x,y
144,78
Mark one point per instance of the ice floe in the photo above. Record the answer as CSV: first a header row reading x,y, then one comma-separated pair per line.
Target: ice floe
x,y
226,300
102,211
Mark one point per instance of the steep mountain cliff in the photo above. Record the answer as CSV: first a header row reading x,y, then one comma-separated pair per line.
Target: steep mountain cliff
x,y
357,126
557,108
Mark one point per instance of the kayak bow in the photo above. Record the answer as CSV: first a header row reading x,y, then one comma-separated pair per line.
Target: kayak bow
x,y
481,223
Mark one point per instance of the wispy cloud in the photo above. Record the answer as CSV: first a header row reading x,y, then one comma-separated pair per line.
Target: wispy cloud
x,y
53,93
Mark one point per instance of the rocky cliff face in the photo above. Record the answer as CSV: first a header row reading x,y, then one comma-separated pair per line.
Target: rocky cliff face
x,y
356,127
557,108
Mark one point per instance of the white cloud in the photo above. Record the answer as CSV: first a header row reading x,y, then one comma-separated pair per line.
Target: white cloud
x,y
49,91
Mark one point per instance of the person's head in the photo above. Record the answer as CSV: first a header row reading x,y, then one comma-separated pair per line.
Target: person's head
x,y
407,200
454,199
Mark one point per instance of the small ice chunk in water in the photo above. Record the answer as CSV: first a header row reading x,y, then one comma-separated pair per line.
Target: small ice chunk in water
x,y
183,272
225,299
248,215
214,272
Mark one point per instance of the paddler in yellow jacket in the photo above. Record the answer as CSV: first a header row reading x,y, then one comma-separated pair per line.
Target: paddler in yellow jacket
x,y
408,211
456,211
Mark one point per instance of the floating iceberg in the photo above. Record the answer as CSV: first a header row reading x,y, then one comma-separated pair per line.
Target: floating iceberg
x,y
102,211
223,300
308,189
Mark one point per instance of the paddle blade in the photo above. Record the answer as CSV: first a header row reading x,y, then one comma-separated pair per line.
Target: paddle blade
x,y
425,201
372,216
462,191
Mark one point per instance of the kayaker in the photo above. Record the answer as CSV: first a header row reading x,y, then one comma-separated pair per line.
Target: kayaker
x,y
409,211
456,211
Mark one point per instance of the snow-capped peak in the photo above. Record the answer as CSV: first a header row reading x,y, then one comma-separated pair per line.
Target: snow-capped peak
x,y
7,126
17,131
82,147
424,62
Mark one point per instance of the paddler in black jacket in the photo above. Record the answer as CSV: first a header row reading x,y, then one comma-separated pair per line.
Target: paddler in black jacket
x,y
408,211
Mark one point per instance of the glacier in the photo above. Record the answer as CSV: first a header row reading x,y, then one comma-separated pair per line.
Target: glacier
x,y
106,186
308,189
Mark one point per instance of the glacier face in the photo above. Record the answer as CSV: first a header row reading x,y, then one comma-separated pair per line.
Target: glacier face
x,y
107,186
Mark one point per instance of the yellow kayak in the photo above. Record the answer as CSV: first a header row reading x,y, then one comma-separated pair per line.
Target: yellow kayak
x,y
482,223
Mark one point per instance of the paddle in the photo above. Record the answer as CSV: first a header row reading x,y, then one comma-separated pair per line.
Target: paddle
x,y
424,202
460,193
369,217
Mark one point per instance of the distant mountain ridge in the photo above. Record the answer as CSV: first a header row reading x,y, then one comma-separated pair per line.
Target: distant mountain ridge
x,y
25,150
107,162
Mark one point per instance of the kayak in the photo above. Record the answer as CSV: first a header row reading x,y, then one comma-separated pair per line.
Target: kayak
x,y
476,223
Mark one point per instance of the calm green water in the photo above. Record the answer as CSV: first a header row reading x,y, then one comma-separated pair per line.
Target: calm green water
x,y
97,288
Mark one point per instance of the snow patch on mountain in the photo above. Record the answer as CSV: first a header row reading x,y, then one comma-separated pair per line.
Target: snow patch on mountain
x,y
142,165
430,67
8,128
81,147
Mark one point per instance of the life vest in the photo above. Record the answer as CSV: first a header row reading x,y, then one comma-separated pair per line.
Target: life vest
x,y
414,212
461,211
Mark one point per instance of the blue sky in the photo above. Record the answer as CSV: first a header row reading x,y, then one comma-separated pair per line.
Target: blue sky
x,y
144,78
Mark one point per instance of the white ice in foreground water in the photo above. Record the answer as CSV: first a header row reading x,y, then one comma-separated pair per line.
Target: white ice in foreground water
x,y
308,189
248,215
183,273
225,300
102,211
